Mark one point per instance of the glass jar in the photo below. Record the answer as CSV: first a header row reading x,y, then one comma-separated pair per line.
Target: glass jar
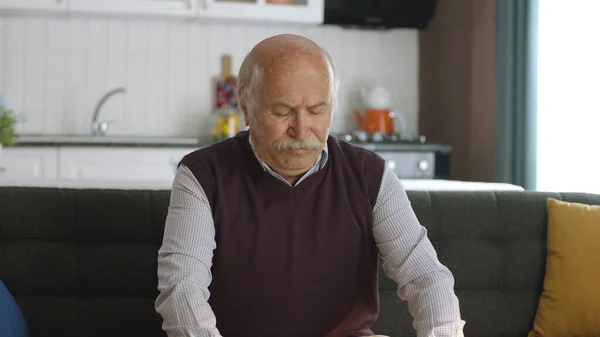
x,y
228,122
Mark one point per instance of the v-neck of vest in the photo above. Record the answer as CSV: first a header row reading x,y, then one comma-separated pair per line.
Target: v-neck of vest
x,y
262,177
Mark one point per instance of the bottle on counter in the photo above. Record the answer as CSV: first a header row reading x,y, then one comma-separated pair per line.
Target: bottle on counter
x,y
228,122
227,119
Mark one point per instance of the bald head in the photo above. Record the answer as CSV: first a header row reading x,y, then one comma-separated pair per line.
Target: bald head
x,y
282,56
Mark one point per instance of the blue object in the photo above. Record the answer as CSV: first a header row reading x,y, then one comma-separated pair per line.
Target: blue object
x,y
12,322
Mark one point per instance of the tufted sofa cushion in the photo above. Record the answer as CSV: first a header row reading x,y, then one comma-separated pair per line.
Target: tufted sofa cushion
x,y
83,262
495,245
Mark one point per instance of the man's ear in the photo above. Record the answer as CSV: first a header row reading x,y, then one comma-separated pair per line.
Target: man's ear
x,y
243,107
245,112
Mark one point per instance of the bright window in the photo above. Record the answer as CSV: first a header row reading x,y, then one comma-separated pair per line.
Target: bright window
x,y
568,144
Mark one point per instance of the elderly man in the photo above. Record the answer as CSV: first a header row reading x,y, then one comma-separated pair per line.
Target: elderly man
x,y
277,231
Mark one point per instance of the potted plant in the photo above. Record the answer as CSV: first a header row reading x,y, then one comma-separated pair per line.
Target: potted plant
x,y
8,121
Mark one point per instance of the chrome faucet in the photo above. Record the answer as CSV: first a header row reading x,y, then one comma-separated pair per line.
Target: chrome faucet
x,y
101,127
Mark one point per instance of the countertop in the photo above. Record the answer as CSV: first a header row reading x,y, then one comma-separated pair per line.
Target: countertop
x,y
186,142
108,141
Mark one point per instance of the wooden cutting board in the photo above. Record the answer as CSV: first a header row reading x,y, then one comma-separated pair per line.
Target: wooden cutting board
x,y
224,85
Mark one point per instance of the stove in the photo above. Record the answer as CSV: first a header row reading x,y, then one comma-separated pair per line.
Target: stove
x,y
409,158
385,138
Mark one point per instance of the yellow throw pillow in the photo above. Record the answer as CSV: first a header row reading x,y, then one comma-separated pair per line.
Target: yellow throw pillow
x,y
570,303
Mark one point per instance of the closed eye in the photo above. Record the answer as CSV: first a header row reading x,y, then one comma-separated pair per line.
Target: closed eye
x,y
317,111
281,109
282,112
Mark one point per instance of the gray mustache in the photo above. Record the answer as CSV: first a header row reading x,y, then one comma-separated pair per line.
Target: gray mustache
x,y
294,144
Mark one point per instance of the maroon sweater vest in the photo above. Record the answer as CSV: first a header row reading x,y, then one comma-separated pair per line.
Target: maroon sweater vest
x,y
291,261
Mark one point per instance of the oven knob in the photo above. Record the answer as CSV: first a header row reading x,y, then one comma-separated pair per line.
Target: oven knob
x,y
392,165
423,165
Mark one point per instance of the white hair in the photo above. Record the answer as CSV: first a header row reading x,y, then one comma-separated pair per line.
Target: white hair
x,y
251,74
333,76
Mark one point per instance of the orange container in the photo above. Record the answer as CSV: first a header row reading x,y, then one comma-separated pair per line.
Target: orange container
x,y
375,121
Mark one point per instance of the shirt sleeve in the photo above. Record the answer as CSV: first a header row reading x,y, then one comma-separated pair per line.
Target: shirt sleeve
x,y
185,260
411,261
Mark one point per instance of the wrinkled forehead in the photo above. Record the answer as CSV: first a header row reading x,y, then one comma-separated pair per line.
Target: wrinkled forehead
x,y
284,64
310,69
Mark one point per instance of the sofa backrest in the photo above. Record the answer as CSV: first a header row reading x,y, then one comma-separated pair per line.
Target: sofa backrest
x,y
83,262
495,245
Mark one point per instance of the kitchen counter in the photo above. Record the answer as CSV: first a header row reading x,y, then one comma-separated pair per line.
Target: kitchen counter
x,y
145,161
108,141
174,142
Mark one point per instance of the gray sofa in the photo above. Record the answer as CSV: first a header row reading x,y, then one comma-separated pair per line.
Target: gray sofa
x,y
82,263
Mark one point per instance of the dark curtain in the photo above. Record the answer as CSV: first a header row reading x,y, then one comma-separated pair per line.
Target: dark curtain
x,y
516,73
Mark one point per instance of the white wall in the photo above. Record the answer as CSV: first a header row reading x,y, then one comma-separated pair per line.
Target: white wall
x,y
55,69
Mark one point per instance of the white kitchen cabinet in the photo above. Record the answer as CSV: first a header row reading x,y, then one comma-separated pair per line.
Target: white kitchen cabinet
x,y
33,5
299,11
292,11
130,165
168,8
28,164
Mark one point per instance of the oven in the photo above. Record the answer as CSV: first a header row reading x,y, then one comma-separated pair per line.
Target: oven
x,y
417,164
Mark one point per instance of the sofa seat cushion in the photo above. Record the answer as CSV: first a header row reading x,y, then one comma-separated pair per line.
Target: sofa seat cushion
x,y
570,302
12,323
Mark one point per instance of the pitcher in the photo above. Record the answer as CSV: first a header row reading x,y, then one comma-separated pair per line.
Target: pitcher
x,y
377,117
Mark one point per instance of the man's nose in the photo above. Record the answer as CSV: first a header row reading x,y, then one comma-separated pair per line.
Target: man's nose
x,y
300,125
